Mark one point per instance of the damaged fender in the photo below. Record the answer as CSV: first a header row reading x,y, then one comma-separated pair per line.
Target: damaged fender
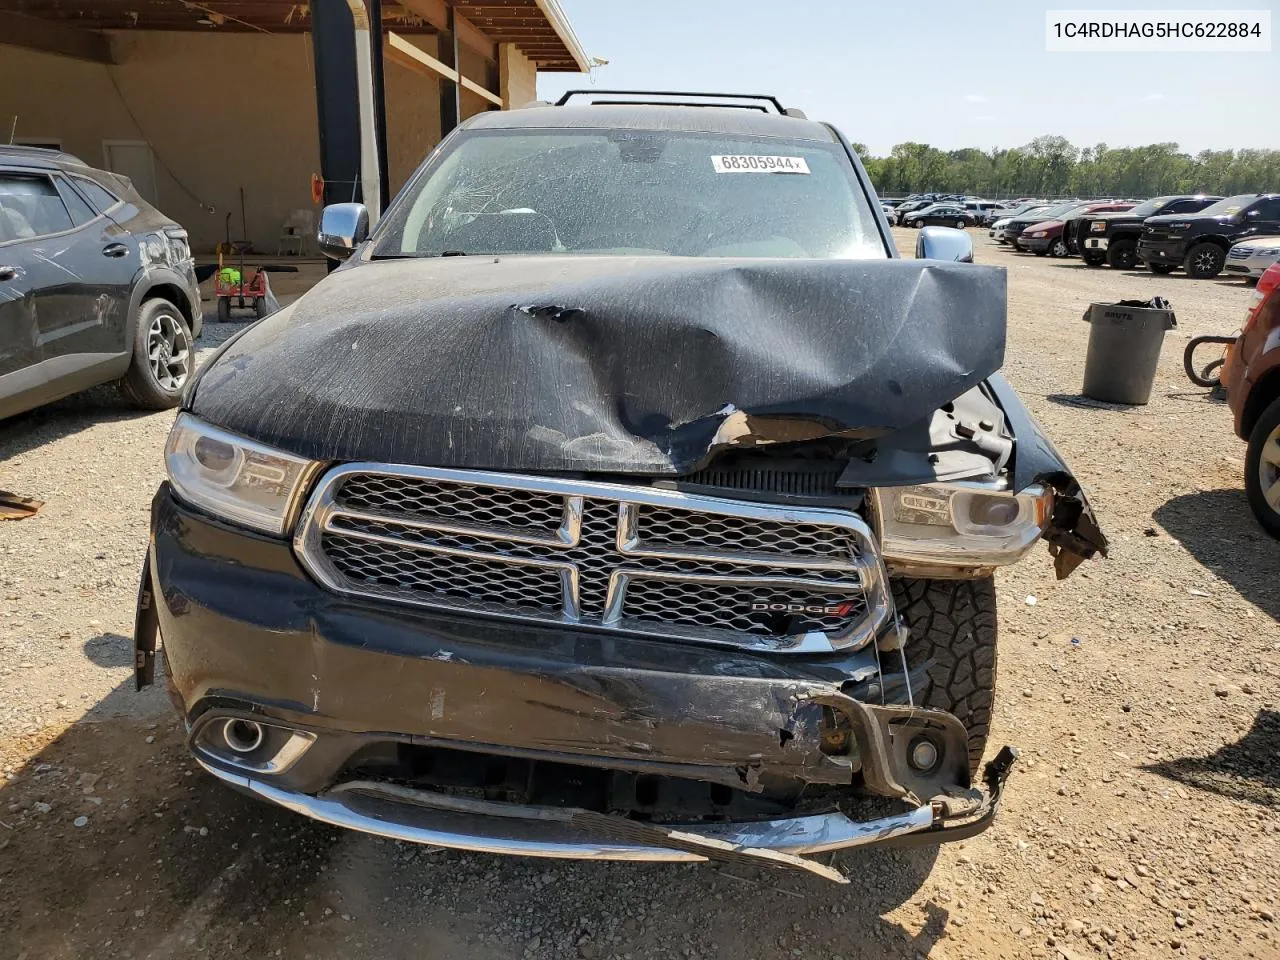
x,y
1073,533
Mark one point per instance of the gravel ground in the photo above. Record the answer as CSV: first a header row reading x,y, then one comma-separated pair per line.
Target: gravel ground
x,y
1144,692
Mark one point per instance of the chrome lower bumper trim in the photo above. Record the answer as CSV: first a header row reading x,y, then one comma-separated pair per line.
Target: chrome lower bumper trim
x,y
484,827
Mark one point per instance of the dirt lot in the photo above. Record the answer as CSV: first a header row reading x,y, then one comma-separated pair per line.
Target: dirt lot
x,y
1144,692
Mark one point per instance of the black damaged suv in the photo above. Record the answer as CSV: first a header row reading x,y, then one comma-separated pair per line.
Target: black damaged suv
x,y
624,495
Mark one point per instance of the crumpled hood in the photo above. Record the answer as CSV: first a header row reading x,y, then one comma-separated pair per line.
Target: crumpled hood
x,y
603,364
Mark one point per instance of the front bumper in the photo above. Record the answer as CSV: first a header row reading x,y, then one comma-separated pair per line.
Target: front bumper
x,y
247,635
1253,266
1034,244
1168,252
419,816
1099,244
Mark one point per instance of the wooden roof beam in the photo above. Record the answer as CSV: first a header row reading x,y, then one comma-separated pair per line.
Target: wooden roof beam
x,y
48,36
435,12
401,51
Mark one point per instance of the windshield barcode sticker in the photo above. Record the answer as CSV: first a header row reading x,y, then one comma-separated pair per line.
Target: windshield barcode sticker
x,y
746,163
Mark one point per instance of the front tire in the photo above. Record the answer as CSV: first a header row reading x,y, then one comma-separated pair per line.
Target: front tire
x,y
1204,261
1262,470
163,357
918,224
1058,249
952,627
1123,255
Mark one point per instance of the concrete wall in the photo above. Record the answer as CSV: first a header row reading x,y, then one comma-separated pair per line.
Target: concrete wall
x,y
413,115
214,122
519,77
221,112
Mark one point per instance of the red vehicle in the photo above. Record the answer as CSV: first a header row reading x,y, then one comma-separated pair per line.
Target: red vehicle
x,y
1047,238
1251,376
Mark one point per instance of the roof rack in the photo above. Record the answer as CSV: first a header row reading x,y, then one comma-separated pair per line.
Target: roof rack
x,y
637,97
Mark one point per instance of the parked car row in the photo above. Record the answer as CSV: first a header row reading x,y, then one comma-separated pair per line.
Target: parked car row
x,y
910,212
1201,234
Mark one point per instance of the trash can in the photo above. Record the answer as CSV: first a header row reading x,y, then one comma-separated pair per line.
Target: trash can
x,y
1124,348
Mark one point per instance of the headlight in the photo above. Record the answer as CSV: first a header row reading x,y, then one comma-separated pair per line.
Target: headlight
x,y
234,478
1037,233
960,525
1098,226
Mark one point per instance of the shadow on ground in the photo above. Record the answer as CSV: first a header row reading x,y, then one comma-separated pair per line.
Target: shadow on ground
x,y
1219,530
1248,769
64,418
168,862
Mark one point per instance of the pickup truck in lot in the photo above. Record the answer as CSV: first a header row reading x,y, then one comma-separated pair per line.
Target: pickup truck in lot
x,y
1112,238
1199,243
1049,237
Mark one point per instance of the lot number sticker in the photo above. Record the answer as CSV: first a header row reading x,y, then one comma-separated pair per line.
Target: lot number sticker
x,y
746,163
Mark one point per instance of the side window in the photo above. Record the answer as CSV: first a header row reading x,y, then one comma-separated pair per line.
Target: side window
x,y
31,206
81,212
102,198
1266,210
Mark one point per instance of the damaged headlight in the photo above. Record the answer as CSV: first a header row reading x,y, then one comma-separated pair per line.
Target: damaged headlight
x,y
960,525
234,478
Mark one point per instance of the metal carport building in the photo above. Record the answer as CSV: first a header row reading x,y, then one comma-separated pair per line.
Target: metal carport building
x,y
198,101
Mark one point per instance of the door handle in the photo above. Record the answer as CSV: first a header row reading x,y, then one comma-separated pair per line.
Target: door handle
x,y
115,250
8,273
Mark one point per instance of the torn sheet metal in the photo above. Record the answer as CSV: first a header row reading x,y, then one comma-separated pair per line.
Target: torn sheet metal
x,y
1073,533
604,364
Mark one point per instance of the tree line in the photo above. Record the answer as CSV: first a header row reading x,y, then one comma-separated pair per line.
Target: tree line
x,y
1054,167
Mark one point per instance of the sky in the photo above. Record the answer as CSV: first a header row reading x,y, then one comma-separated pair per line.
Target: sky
x,y
952,74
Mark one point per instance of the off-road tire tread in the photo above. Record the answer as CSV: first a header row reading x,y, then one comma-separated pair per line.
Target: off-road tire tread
x,y
953,624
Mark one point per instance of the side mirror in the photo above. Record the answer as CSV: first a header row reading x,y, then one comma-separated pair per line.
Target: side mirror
x,y
944,243
343,227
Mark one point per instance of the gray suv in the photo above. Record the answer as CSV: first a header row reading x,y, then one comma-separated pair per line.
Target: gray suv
x,y
95,285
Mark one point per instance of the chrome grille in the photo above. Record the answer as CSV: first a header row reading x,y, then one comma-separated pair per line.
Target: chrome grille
x,y
1240,253
602,556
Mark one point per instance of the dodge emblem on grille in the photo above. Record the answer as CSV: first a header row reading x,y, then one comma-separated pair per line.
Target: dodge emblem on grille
x,y
823,609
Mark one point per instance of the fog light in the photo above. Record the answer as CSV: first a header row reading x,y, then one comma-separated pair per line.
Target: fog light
x,y
242,736
923,755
